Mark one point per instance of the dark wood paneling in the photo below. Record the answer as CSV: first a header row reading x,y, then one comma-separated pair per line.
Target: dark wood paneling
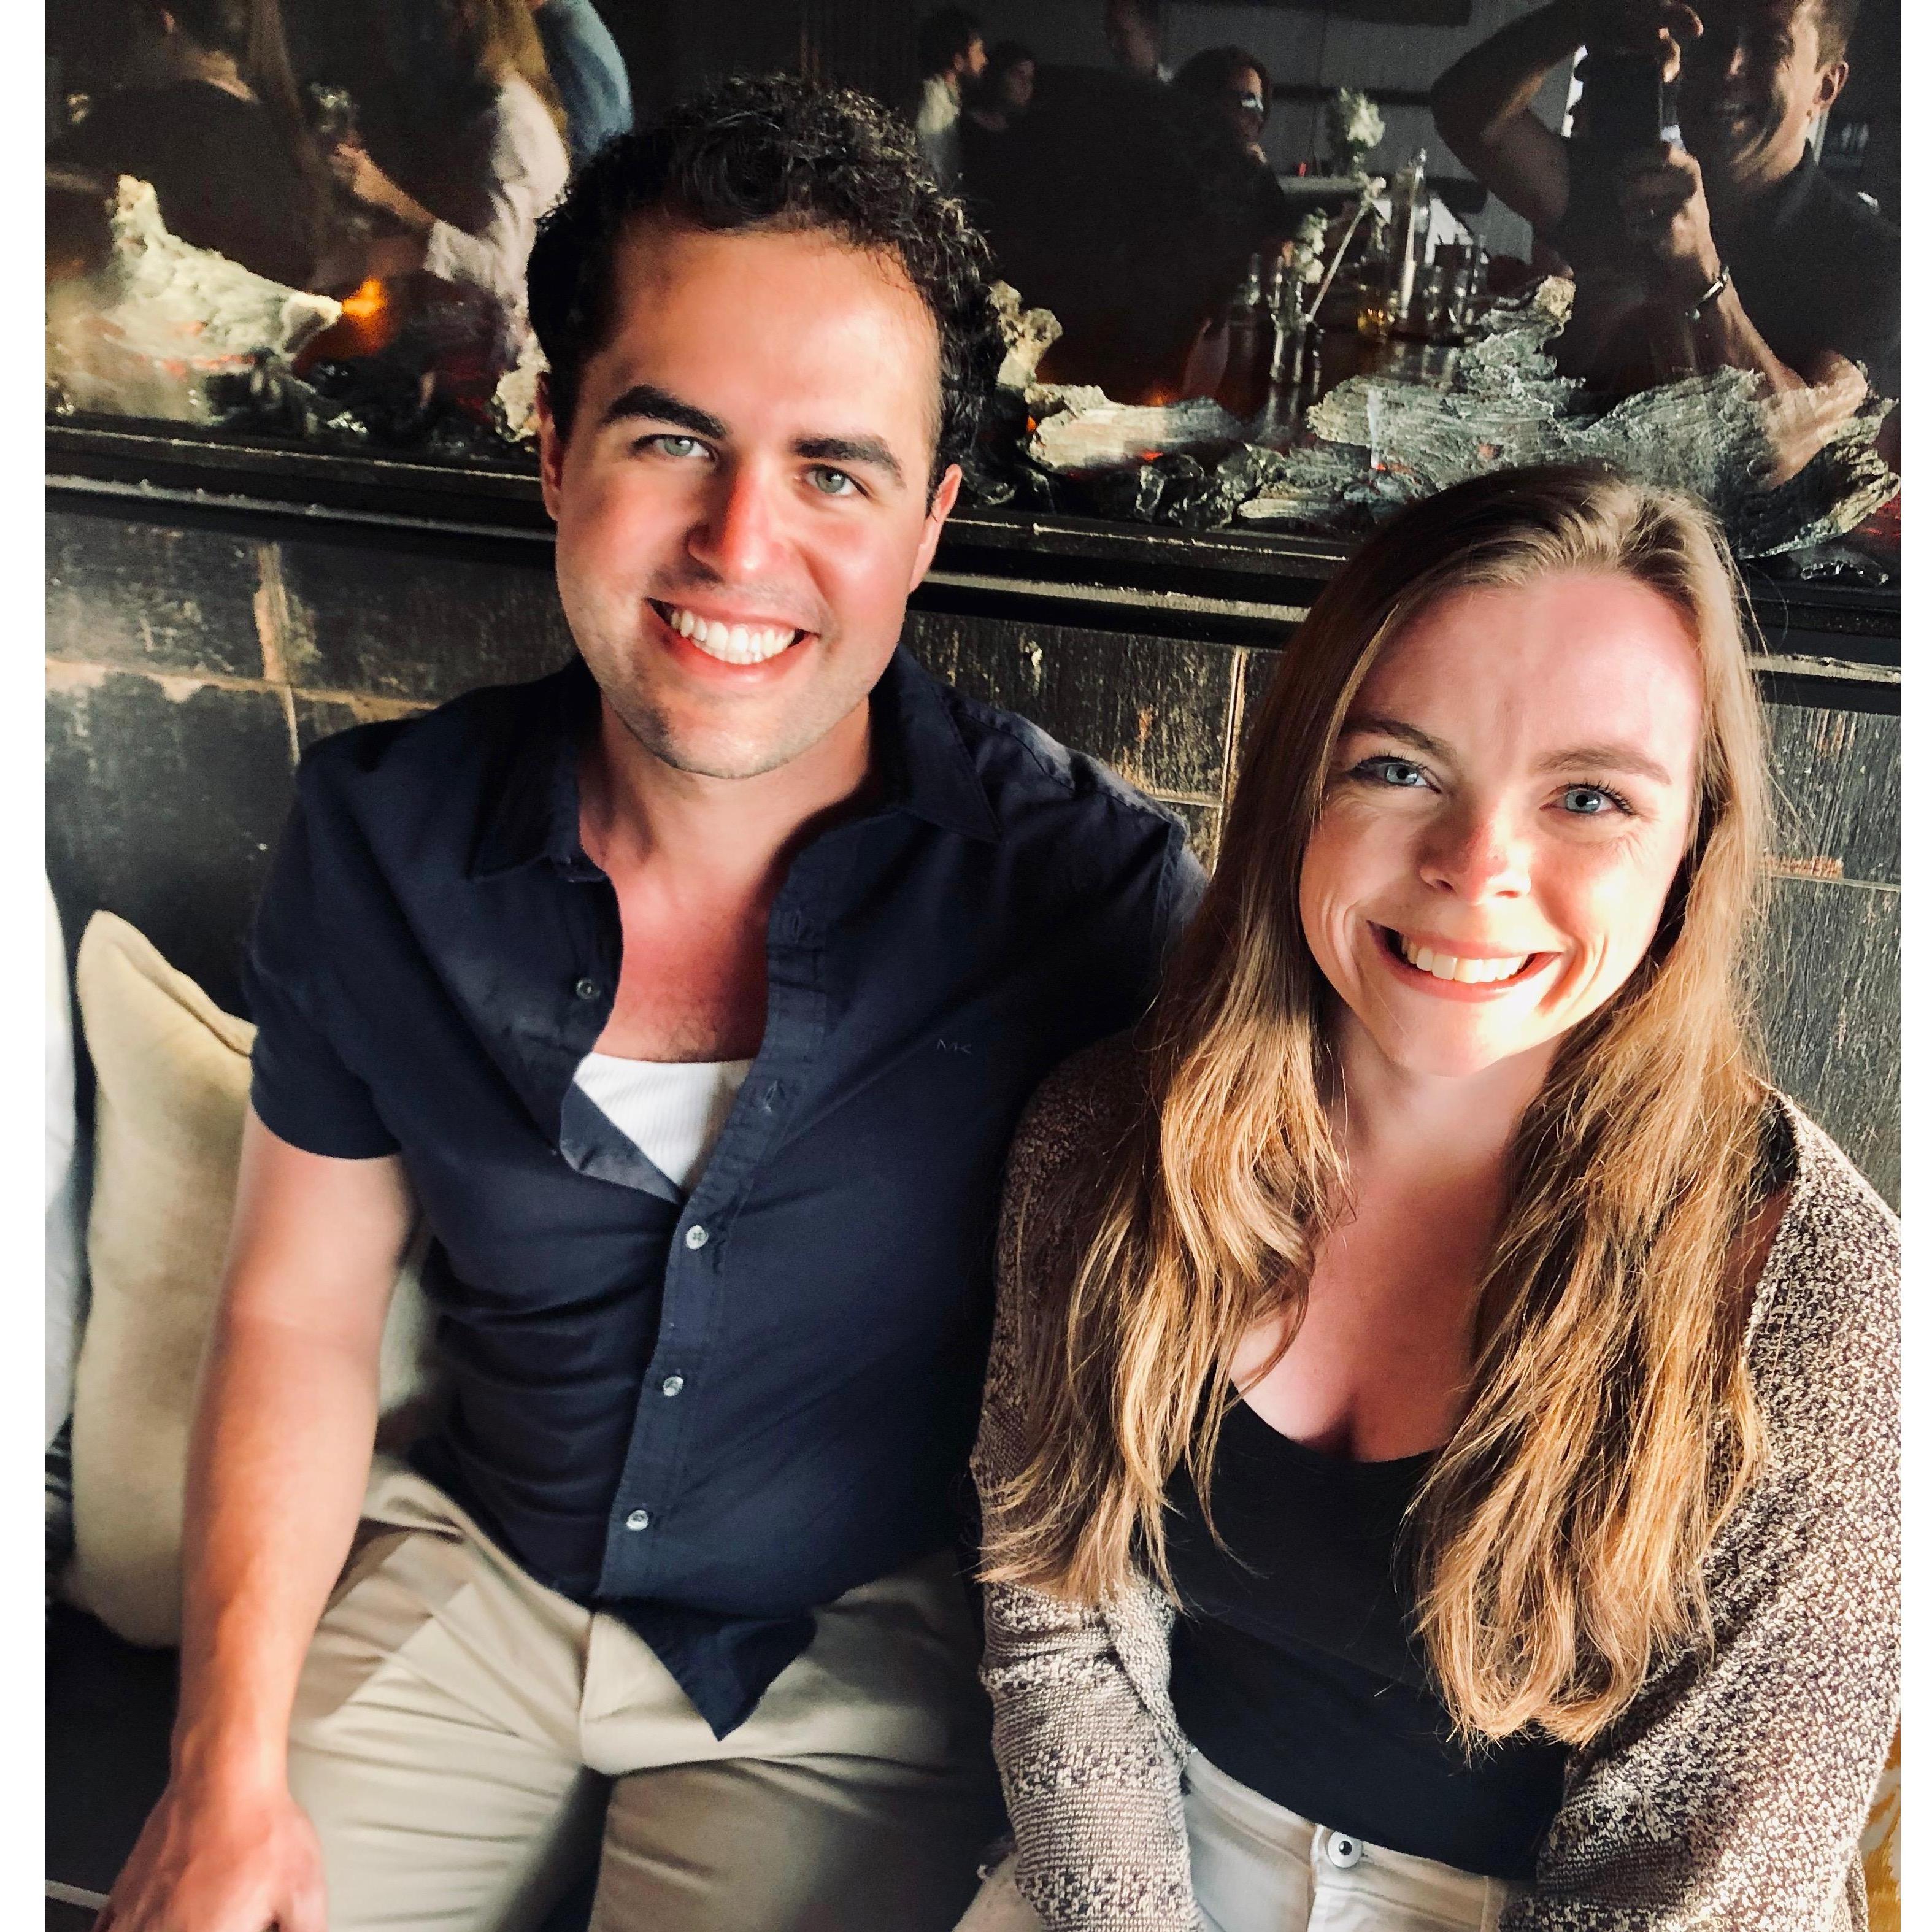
x,y
1838,777
1154,708
420,621
164,805
1831,1015
143,594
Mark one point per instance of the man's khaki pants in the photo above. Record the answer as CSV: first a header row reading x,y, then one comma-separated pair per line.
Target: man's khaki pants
x,y
458,1727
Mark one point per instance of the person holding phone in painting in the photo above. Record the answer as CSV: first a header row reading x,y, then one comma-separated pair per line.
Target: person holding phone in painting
x,y
1706,238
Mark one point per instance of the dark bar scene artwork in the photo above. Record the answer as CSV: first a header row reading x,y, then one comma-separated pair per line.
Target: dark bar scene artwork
x,y
1287,286
973,948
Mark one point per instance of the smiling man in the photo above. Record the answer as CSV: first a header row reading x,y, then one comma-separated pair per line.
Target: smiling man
x,y
1729,247
691,995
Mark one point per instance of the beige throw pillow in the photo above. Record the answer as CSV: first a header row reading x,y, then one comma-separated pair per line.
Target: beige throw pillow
x,y
171,1074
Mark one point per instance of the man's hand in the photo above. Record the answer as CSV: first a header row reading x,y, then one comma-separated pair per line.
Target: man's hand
x,y
208,1862
361,177
1661,199
1662,28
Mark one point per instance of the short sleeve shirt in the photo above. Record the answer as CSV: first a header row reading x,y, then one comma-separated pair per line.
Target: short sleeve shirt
x,y
706,1412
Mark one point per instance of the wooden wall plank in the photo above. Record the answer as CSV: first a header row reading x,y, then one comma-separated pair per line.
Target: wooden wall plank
x,y
165,800
419,623
1830,1015
150,596
1838,778
1155,708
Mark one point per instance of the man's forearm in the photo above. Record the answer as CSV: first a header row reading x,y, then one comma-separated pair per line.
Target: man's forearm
x,y
1497,80
279,1463
1727,338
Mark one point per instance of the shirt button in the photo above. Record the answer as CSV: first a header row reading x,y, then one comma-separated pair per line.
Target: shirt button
x,y
695,1237
586,989
672,1385
1344,1851
638,1520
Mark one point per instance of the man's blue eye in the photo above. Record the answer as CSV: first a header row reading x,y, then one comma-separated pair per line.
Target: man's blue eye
x,y
832,482
678,445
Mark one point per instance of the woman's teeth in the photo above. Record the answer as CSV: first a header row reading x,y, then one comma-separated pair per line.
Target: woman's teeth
x,y
735,643
1452,966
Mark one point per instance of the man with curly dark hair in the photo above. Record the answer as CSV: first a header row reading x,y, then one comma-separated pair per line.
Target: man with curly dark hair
x,y
689,996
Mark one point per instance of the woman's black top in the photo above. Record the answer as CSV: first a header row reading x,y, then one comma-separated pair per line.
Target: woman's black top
x,y
1295,1669
221,169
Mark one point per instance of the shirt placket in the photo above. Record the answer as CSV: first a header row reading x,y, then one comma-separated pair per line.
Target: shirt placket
x,y
641,1530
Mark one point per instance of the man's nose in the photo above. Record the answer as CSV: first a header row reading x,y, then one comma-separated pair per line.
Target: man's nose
x,y
736,534
1477,854
1719,54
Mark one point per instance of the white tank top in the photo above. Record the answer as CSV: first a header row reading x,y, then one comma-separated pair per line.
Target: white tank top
x,y
671,1112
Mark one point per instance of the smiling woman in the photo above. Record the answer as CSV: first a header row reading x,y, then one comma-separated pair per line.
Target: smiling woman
x,y
1439,1312
1535,822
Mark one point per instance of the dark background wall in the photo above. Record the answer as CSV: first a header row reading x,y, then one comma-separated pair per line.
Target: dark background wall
x,y
191,656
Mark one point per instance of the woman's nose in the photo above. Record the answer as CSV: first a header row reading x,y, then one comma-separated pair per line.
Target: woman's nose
x,y
1478,855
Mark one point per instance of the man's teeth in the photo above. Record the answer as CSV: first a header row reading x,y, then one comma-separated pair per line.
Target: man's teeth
x,y
735,643
1451,966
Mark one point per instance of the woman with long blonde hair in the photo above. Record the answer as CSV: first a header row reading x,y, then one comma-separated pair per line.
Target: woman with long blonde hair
x,y
1439,1452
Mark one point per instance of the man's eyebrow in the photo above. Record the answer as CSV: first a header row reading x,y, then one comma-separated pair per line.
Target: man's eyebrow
x,y
866,450
1378,725
1607,757
656,405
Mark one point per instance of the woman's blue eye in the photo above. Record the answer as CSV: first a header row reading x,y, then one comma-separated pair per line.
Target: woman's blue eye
x,y
1393,772
1591,801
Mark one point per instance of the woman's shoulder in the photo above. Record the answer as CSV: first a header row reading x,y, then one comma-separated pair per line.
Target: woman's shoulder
x,y
1080,1113
1829,1293
1085,1103
521,123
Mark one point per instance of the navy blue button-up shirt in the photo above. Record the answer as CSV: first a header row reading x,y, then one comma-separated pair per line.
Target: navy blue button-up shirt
x,y
706,1413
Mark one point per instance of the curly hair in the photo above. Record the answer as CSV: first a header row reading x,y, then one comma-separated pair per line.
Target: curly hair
x,y
773,152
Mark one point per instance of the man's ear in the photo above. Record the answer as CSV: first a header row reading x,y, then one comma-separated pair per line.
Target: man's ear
x,y
1831,85
937,511
549,448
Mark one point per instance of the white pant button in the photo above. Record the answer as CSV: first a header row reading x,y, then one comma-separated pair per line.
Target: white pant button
x,y
1344,1851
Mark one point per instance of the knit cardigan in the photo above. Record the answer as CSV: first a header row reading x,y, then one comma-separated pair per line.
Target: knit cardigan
x,y
1730,1795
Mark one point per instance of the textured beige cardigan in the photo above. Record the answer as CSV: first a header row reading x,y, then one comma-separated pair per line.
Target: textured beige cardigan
x,y
1729,1798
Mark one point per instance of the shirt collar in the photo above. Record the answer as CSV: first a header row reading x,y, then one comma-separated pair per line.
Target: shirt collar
x,y
532,811
1783,201
923,761
922,758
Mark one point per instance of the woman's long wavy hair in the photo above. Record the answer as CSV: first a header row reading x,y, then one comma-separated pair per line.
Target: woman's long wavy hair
x,y
1610,1426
